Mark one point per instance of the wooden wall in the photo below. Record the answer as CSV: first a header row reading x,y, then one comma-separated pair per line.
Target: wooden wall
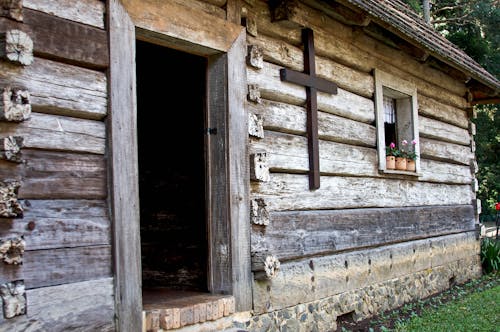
x,y
356,205
67,266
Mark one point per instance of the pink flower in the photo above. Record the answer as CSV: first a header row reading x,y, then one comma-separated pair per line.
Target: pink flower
x,y
392,145
404,142
414,142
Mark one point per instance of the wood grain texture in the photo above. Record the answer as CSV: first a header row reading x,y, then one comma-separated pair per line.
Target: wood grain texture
x,y
59,133
90,12
434,109
431,128
83,306
63,40
283,54
46,175
289,192
123,185
299,234
443,151
50,224
179,22
345,104
291,119
57,88
43,268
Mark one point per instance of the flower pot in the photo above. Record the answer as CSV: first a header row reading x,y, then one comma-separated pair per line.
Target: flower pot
x,y
410,165
401,163
390,162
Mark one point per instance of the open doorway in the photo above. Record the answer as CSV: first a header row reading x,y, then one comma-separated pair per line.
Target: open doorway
x,y
171,108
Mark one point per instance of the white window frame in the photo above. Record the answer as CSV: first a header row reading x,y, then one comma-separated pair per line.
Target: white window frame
x,y
404,91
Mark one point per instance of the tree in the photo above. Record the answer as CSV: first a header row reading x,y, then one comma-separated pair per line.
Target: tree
x,y
472,25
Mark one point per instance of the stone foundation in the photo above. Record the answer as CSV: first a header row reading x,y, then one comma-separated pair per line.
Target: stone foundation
x,y
309,295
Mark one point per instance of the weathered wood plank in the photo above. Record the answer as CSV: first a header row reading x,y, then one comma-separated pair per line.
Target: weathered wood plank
x,y
346,104
56,175
286,55
446,132
61,39
356,49
43,268
434,109
61,133
288,153
89,12
57,88
123,165
210,8
286,192
299,234
291,119
60,223
443,151
83,306
180,22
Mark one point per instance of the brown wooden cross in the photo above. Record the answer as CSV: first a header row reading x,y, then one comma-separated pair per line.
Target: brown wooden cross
x,y
312,83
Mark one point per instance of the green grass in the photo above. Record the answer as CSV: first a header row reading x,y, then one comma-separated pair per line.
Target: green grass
x,y
478,311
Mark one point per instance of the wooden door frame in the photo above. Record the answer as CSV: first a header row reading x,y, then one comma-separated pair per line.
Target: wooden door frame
x,y
224,44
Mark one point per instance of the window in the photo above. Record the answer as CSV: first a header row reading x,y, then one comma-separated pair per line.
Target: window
x,y
396,117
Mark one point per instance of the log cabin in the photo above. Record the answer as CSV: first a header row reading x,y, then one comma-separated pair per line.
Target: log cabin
x,y
272,206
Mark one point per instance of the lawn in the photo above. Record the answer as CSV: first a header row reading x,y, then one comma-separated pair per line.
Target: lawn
x,y
471,307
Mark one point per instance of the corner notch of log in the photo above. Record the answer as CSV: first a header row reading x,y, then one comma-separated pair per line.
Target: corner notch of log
x,y
9,204
13,296
255,125
10,148
258,212
271,268
17,47
259,169
254,93
283,10
12,9
12,250
15,105
255,57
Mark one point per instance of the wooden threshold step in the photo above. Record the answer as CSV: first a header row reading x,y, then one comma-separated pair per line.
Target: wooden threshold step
x,y
167,309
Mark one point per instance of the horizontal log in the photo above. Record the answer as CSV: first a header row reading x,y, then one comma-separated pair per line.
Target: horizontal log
x,y
288,153
55,175
443,151
60,223
209,8
62,40
446,132
58,88
290,192
42,268
315,278
61,133
90,12
291,119
289,56
434,109
299,234
354,48
82,306
345,104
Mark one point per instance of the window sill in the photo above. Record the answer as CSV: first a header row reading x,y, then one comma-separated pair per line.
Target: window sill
x,y
397,172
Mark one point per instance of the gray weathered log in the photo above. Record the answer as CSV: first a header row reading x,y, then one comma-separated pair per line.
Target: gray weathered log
x,y
13,296
42,268
292,235
431,128
15,105
59,133
10,148
255,125
290,192
9,204
254,93
90,12
434,109
16,47
50,224
84,306
255,58
258,212
444,151
12,9
57,88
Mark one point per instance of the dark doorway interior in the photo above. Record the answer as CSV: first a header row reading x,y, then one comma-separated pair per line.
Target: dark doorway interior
x,y
171,89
